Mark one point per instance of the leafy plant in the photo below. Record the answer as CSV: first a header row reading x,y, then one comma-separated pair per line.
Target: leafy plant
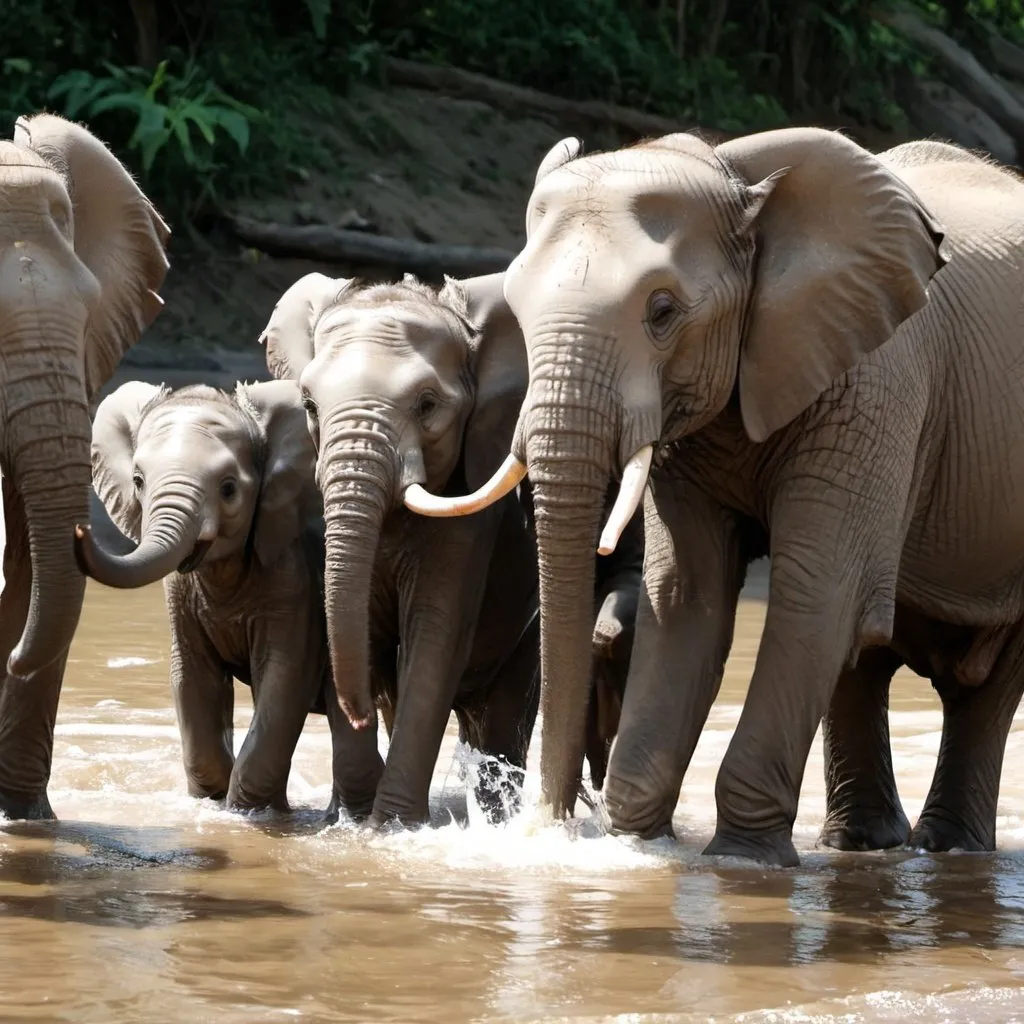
x,y
166,107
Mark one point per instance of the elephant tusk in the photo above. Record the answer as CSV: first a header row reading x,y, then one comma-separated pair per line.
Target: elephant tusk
x,y
631,493
418,499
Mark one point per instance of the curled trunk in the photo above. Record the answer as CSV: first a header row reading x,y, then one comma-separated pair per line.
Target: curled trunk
x,y
358,484
169,539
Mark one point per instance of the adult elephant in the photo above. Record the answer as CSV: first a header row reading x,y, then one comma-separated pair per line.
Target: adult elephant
x,y
405,386
82,257
821,364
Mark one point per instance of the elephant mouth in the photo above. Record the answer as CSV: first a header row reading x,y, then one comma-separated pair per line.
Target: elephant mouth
x,y
195,559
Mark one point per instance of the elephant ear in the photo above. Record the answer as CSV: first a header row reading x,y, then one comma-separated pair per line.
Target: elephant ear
x,y
289,498
114,431
118,235
500,370
288,335
559,154
846,252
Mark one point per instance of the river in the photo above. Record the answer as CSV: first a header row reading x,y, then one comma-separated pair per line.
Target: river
x,y
142,904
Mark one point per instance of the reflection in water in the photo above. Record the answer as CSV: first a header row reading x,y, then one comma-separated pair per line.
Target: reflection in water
x,y
158,907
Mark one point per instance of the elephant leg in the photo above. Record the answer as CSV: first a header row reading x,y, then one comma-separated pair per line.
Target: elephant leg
x,y
282,696
960,810
863,810
28,708
835,559
204,700
438,617
357,766
508,717
693,572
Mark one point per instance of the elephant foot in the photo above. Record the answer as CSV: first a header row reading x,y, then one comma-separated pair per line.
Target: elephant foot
x,y
355,810
940,833
860,830
774,848
390,826
22,808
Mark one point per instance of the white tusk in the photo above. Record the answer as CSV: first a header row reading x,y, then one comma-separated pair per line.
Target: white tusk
x,y
418,499
631,493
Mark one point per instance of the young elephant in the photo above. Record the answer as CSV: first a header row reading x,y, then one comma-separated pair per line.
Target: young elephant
x,y
218,491
404,387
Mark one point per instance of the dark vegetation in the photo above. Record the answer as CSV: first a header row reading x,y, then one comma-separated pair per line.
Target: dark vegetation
x,y
198,95
365,115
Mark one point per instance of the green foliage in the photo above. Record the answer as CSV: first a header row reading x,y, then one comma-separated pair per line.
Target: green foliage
x,y
201,97
165,106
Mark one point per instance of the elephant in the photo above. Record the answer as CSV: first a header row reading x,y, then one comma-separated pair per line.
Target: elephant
x,y
405,385
782,345
82,260
217,491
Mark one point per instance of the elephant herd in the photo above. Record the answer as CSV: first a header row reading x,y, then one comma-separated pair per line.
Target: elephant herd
x,y
539,491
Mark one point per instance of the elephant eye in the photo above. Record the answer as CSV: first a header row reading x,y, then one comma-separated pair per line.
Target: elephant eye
x,y
426,405
138,482
310,406
664,314
228,489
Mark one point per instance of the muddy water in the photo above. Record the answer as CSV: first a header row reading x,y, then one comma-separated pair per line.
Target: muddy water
x,y
145,905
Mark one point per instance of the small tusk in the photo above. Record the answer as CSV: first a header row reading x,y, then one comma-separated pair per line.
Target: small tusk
x,y
631,493
418,499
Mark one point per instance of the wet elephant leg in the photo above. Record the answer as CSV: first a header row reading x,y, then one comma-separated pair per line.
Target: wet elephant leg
x,y
693,572
960,811
437,623
834,564
506,723
282,695
357,766
28,707
863,810
204,700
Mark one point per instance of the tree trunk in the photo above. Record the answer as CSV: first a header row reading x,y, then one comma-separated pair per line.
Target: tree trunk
x,y
147,45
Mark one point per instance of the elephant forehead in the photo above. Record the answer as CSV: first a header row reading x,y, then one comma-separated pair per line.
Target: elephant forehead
x,y
24,167
175,431
400,325
361,368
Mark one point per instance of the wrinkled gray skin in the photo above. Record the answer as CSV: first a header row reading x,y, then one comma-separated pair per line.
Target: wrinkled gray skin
x,y
423,615
81,261
781,317
218,490
617,580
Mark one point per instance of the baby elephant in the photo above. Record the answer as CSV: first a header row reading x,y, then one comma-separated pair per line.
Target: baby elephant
x,y
218,490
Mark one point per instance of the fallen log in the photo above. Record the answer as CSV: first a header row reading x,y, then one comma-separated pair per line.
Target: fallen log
x,y
935,108
518,99
1008,57
337,245
963,69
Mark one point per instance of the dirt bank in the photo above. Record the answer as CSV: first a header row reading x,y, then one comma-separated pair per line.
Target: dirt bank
x,y
410,164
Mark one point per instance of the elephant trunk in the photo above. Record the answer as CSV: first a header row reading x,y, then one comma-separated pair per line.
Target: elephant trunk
x,y
359,472
46,437
569,449
170,540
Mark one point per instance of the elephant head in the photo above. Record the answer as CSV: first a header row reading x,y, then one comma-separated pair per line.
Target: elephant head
x,y
199,476
82,257
660,283
405,389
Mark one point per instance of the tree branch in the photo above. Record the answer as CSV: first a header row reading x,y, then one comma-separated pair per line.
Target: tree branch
x,y
336,245
965,72
521,101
